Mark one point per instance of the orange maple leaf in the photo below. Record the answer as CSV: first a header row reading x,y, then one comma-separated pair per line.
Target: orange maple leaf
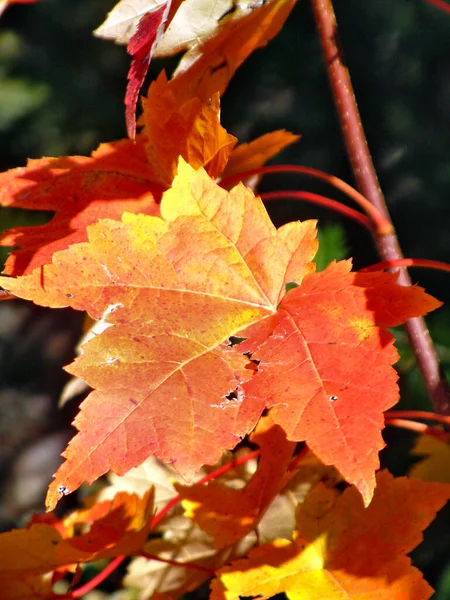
x,y
120,176
228,514
168,382
190,129
80,190
115,527
341,549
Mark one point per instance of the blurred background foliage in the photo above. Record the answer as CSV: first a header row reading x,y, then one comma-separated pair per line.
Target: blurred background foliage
x,y
61,92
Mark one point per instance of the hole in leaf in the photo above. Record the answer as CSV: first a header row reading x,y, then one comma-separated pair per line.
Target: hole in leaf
x,y
236,395
234,340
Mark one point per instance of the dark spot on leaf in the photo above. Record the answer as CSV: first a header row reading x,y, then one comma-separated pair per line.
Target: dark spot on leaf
x,y
234,340
291,285
69,295
133,401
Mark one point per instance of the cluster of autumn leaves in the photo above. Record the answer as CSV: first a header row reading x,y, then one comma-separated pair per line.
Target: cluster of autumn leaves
x,y
211,316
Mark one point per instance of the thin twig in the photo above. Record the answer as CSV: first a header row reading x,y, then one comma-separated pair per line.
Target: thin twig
x,y
381,224
321,201
408,262
367,182
421,428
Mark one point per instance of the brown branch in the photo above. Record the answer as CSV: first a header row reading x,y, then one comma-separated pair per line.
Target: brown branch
x,y
367,182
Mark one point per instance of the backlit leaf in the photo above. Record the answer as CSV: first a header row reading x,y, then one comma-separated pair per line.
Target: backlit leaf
x,y
229,514
326,364
208,67
115,527
175,290
342,550
79,190
190,129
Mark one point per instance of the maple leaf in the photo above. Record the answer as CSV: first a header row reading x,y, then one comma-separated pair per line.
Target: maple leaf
x,y
80,190
229,514
115,527
325,364
195,133
176,309
176,290
120,175
257,152
218,34
341,549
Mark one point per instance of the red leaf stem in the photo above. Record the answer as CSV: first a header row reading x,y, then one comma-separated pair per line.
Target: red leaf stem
x,y
407,262
440,4
421,428
95,581
177,563
381,224
417,414
321,201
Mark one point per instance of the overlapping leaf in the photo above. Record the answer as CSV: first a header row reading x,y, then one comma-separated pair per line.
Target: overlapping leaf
x,y
80,190
229,514
218,34
434,463
341,549
120,176
190,129
326,364
208,67
166,381
119,526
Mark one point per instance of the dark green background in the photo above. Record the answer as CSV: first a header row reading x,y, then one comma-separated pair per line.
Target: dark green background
x,y
61,92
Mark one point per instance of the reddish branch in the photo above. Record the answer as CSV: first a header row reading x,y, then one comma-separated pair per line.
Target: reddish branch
x,y
367,182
